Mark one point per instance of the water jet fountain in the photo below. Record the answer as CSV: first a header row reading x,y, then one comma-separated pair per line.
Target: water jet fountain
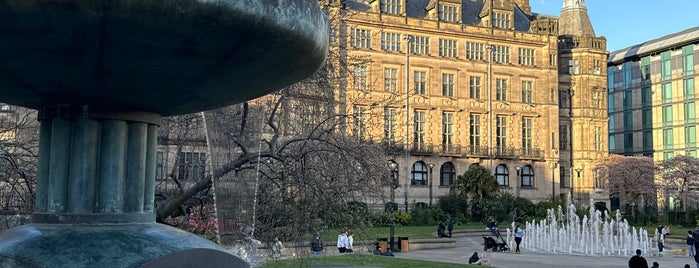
x,y
594,234
101,74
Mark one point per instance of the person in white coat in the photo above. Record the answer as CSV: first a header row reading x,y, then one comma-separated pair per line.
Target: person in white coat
x,y
350,243
342,242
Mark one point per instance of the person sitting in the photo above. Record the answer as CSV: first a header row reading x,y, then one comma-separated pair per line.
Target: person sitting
x,y
492,226
483,260
473,258
441,230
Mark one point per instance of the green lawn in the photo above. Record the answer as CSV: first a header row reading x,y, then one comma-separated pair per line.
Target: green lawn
x,y
401,231
360,260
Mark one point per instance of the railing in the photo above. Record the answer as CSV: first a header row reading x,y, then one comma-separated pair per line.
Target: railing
x,y
474,151
422,149
451,149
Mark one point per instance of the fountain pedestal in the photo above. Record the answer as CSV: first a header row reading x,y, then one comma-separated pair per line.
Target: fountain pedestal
x,y
101,74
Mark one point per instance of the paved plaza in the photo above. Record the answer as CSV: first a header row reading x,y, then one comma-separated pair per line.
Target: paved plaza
x,y
675,257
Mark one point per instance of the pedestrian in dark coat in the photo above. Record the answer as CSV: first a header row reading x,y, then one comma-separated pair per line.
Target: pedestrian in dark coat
x,y
450,227
316,244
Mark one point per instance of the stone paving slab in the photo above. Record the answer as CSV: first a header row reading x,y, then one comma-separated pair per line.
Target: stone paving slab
x,y
467,245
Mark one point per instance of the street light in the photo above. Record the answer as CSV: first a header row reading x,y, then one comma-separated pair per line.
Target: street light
x,y
394,184
577,170
431,179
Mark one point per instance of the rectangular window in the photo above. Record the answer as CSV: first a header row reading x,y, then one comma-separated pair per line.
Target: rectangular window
x,y
688,60
553,60
447,130
628,142
420,82
527,134
389,125
647,118
667,92
391,6
612,144
501,134
667,139
159,165
474,51
501,89
628,99
360,77
501,20
563,137
598,139
526,57
447,48
665,66
421,45
667,115
612,123
690,136
596,67
474,128
597,99
419,130
668,155
501,54
390,80
527,92
390,41
191,166
610,78
628,120
646,95
448,13
688,88
692,153
627,71
645,69
359,122
474,86
563,99
647,140
448,85
689,113
360,38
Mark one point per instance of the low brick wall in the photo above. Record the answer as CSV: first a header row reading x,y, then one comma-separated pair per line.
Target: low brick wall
x,y
303,249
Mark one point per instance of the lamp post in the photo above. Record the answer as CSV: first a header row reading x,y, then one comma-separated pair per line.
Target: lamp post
x,y
406,151
394,184
554,165
431,179
577,170
518,184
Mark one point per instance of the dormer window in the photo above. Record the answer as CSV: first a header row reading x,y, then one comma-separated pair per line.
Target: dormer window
x,y
501,20
390,6
448,13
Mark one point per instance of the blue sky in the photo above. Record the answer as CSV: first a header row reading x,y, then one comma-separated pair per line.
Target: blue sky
x,y
629,22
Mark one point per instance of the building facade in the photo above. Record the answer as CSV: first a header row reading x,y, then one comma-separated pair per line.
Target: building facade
x,y
651,97
448,84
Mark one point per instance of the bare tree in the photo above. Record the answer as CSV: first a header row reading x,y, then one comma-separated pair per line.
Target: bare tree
x,y
629,178
679,175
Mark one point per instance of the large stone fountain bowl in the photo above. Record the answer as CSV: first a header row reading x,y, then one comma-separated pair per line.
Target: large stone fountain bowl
x,y
164,56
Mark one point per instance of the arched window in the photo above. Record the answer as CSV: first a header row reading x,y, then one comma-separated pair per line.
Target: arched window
x,y
419,173
502,175
446,174
527,176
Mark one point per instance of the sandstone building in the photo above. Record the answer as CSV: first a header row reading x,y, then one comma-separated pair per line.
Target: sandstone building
x,y
447,84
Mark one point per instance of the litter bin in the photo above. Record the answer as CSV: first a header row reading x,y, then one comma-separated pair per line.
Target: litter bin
x,y
381,245
403,243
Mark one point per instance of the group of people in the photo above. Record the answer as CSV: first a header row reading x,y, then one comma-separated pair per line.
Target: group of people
x,y
441,229
345,243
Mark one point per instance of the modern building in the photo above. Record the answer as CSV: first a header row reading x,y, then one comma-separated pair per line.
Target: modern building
x,y
651,97
447,84
652,104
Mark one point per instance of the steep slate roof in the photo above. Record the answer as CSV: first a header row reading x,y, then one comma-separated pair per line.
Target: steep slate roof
x,y
574,19
682,38
470,10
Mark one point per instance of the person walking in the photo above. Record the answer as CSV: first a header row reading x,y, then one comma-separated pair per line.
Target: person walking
x,y
450,226
519,233
661,244
637,261
342,242
316,244
690,243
